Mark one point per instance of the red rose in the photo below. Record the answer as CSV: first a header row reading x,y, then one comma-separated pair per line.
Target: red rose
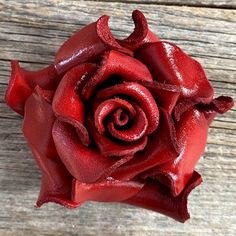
x,y
117,120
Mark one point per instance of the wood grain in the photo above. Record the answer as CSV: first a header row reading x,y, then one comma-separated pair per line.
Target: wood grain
x,y
229,4
32,32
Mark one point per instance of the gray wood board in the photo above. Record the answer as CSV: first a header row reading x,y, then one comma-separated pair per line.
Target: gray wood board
x,y
32,33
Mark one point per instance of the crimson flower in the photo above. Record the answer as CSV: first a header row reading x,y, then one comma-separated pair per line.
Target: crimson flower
x,y
117,120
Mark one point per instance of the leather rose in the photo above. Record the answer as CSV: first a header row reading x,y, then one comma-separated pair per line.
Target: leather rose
x,y
117,120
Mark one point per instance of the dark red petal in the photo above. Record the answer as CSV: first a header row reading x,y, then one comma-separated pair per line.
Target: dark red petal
x,y
162,147
191,134
141,33
87,45
85,164
67,104
116,63
140,95
22,83
168,63
105,191
218,105
111,148
37,128
166,95
156,197
135,132
108,107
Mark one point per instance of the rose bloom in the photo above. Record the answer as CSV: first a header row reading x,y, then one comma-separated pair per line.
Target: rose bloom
x,y
117,120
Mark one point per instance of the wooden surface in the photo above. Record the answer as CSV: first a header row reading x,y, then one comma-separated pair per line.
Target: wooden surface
x,y
32,32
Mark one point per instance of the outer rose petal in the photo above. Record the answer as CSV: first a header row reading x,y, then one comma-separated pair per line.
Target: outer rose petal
x,y
23,82
168,63
156,197
162,147
87,45
105,191
191,134
37,127
141,33
67,104
120,64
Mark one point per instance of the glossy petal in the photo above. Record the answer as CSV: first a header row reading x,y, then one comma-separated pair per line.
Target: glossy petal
x,y
166,95
162,147
156,197
108,147
120,64
37,127
191,131
140,95
67,104
105,191
87,45
141,33
23,82
168,63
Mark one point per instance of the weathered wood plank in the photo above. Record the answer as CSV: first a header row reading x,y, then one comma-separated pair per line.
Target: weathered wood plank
x,y
32,32
200,3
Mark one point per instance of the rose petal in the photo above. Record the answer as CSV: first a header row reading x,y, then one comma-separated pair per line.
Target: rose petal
x,y
191,134
115,62
23,82
166,95
140,95
156,197
141,33
111,148
85,164
218,105
165,60
106,191
87,45
67,104
162,147
37,126
135,132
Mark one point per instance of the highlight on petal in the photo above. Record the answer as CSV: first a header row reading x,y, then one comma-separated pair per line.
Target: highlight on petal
x,y
191,131
129,68
67,104
87,45
37,128
105,191
111,148
140,95
156,197
162,147
23,82
168,63
141,33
